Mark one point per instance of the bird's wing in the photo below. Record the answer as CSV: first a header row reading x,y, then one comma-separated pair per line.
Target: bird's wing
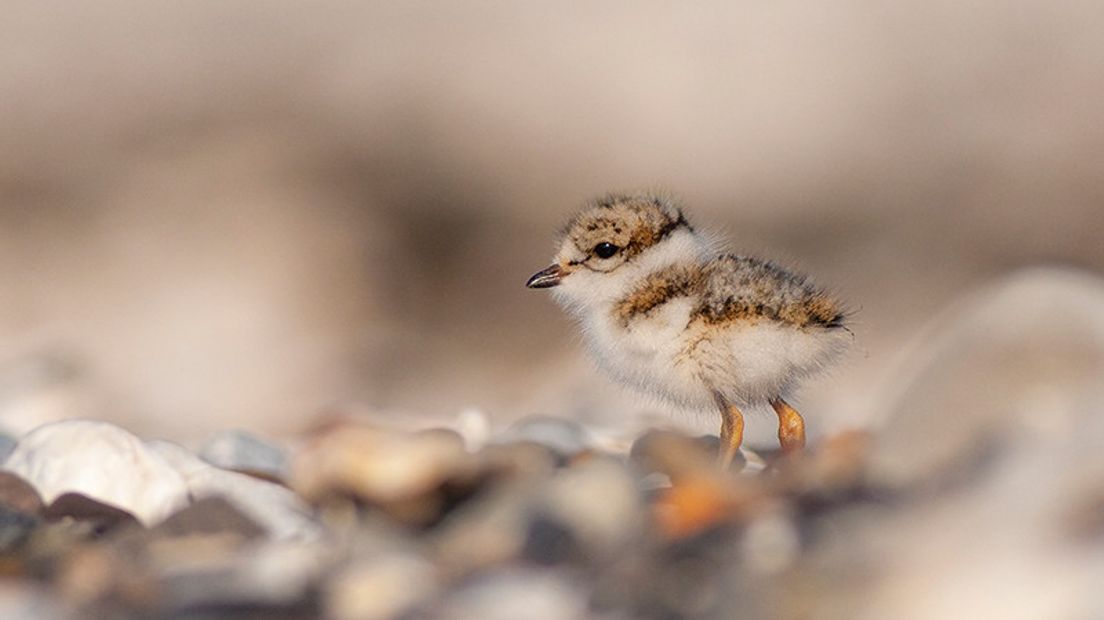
x,y
749,289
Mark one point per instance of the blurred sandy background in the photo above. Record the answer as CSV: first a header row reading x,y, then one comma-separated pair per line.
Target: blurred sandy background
x,y
243,214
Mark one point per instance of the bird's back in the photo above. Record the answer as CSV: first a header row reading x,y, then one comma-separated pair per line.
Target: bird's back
x,y
740,288
757,328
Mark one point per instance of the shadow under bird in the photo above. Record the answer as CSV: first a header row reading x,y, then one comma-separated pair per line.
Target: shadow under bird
x,y
663,312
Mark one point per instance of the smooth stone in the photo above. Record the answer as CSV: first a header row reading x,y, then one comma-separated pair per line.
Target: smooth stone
x,y
151,480
522,459
240,451
379,466
380,587
7,444
513,593
26,600
282,513
192,566
673,454
489,530
549,541
15,529
83,508
473,425
103,462
210,515
18,494
565,437
597,502
209,571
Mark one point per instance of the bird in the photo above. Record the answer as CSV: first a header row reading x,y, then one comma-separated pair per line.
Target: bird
x,y
662,309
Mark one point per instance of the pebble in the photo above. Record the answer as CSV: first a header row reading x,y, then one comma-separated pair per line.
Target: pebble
x,y
7,444
240,451
210,515
512,594
83,508
404,474
102,462
29,601
564,437
99,472
276,508
489,530
278,574
541,521
380,587
597,503
15,528
675,455
18,495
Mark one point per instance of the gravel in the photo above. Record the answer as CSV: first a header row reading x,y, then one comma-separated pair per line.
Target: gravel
x,y
979,495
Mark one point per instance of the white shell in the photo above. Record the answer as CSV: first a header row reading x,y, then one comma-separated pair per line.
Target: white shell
x,y
151,480
102,461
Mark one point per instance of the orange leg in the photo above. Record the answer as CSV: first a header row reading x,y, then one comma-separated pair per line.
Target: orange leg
x,y
732,431
791,428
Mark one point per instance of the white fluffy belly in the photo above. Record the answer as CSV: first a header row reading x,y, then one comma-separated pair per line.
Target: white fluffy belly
x,y
663,355
753,362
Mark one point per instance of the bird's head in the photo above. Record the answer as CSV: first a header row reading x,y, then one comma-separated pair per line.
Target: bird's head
x,y
611,242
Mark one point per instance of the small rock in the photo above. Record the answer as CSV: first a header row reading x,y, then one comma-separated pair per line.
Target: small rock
x,y
83,508
109,466
474,427
403,473
104,463
242,452
518,460
674,454
15,528
698,504
381,587
515,593
168,572
91,574
18,495
771,543
27,600
597,502
565,437
53,541
490,529
276,508
219,570
7,444
551,541
210,515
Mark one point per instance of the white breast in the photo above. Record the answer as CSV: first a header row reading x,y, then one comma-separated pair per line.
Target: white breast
x,y
649,353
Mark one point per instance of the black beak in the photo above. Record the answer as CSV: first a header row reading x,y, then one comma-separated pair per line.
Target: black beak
x,y
546,278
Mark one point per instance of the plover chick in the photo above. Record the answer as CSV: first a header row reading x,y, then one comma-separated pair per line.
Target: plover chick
x,y
663,312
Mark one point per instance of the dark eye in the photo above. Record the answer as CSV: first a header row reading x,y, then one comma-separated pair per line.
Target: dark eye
x,y
605,250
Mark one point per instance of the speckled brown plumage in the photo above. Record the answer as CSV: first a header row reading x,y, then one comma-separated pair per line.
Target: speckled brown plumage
x,y
741,288
659,288
633,222
735,288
